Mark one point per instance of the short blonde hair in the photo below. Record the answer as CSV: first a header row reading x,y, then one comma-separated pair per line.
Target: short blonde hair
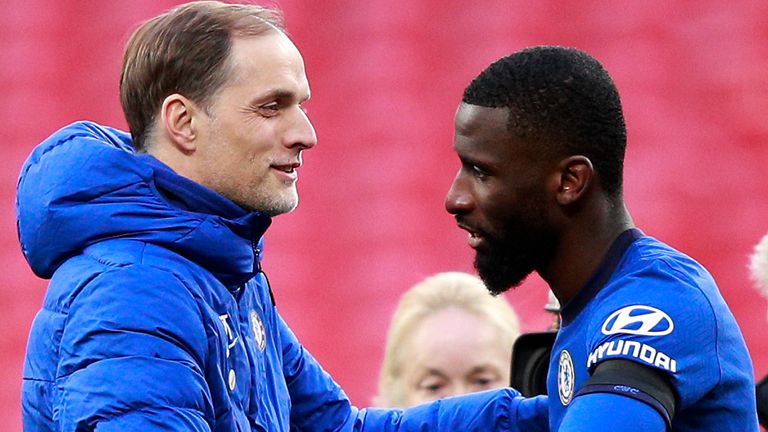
x,y
435,293
758,265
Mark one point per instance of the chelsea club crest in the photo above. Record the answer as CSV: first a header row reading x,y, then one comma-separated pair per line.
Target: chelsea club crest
x,y
259,334
565,377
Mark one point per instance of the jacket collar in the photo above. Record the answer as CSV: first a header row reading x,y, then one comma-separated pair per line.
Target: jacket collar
x,y
229,239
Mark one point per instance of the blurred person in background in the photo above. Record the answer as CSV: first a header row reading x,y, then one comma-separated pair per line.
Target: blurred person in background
x,y
759,271
158,315
647,342
448,336
758,266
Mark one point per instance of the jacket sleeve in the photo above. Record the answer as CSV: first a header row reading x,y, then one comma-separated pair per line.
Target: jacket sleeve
x,y
128,357
319,404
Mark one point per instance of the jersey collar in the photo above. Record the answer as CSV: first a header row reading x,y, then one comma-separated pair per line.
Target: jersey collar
x,y
600,277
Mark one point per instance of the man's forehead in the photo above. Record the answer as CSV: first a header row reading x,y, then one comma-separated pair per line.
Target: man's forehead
x,y
273,61
270,49
479,120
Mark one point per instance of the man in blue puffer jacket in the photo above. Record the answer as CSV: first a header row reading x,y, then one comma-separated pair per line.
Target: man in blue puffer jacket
x,y
158,316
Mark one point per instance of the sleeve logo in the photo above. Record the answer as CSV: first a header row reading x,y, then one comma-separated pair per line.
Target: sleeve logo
x,y
638,320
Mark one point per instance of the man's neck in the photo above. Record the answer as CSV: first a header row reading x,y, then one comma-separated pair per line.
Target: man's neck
x,y
583,246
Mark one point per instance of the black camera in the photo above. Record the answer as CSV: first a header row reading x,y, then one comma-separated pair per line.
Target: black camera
x,y
530,355
530,362
762,401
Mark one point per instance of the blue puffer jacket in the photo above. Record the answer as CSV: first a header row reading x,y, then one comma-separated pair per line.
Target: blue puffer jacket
x,y
158,317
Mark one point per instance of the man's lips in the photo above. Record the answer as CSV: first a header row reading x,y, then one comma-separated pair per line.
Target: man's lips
x,y
475,237
287,169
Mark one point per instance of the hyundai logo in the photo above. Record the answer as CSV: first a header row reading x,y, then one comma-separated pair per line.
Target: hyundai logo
x,y
638,320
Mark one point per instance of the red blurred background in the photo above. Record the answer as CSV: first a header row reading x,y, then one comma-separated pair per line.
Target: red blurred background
x,y
386,77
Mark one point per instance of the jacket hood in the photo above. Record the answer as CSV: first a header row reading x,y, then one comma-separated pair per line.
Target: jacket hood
x,y
84,184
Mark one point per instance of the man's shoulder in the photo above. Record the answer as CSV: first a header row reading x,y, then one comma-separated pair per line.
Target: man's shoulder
x,y
149,257
657,292
135,261
661,308
128,265
653,273
654,258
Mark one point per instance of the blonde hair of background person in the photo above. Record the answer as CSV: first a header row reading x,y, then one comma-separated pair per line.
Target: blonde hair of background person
x,y
759,265
446,316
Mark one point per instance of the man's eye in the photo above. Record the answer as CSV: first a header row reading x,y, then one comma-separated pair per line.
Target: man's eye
x,y
479,172
268,110
271,107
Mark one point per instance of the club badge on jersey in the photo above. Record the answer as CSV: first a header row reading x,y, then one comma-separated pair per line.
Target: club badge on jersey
x,y
565,377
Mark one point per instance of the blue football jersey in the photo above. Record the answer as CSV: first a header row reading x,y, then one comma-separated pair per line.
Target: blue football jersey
x,y
650,304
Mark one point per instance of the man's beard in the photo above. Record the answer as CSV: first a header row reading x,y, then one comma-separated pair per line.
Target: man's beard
x,y
515,254
271,203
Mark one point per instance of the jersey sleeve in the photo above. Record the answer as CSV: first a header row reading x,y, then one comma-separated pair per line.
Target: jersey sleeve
x,y
128,360
633,380
659,318
598,412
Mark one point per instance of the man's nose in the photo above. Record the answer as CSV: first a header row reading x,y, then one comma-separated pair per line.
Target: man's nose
x,y
458,200
302,133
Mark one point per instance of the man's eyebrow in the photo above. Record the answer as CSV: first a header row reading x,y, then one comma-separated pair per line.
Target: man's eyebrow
x,y
468,160
280,94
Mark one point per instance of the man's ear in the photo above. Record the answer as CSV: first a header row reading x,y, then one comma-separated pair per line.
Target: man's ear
x,y
177,117
576,176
